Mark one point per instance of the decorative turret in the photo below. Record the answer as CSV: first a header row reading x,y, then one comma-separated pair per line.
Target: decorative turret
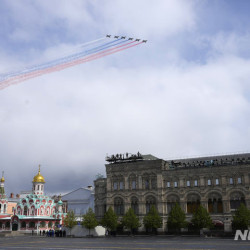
x,y
59,204
3,199
38,183
2,192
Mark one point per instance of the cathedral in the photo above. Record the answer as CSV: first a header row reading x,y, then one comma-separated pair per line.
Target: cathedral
x,y
32,213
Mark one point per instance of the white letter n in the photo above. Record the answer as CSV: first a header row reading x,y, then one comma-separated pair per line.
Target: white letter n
x,y
242,236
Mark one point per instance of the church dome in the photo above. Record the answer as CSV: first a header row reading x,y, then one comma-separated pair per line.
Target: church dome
x,y
38,177
2,179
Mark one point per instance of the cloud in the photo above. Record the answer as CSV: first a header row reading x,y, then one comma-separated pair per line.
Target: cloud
x,y
151,99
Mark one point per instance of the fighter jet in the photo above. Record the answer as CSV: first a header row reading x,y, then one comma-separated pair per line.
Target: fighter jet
x,y
108,36
144,41
123,37
116,36
130,38
137,40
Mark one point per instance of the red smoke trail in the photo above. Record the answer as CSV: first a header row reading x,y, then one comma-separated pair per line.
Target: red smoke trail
x,y
65,65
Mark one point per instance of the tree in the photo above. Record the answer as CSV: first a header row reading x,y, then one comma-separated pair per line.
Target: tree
x,y
89,220
152,220
109,220
241,218
176,218
70,220
201,218
130,220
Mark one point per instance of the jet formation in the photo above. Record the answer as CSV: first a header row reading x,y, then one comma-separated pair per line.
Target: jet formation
x,y
130,38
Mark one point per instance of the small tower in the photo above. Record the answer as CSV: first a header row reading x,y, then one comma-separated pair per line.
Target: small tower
x,y
59,204
38,184
3,199
2,192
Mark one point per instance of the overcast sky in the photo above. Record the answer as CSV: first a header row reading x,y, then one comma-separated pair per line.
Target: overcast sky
x,y
184,93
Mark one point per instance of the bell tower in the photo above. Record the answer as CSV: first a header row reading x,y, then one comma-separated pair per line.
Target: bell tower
x,y
38,183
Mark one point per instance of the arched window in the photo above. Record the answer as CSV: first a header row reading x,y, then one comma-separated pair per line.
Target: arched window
x,y
4,208
7,224
119,206
215,203
32,224
25,211
193,202
236,198
171,201
23,224
150,201
134,205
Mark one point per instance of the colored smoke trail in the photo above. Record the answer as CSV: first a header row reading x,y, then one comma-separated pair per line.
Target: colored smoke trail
x,y
97,52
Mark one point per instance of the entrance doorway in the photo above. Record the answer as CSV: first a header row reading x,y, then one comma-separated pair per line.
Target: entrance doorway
x,y
14,227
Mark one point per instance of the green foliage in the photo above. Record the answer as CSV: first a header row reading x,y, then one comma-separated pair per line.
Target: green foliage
x,y
241,218
89,220
201,218
176,218
130,220
152,220
109,220
70,220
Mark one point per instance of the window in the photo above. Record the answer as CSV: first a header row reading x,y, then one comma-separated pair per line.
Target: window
x,y
217,182
121,185
150,201
209,182
239,180
195,183
236,199
175,184
146,184
133,184
188,183
168,184
25,211
115,185
231,181
134,205
119,206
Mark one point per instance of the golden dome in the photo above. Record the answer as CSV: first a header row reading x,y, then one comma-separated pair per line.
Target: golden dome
x,y
38,177
2,179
